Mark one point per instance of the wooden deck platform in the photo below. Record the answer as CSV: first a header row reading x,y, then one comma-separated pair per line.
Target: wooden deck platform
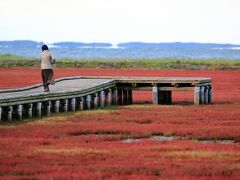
x,y
74,93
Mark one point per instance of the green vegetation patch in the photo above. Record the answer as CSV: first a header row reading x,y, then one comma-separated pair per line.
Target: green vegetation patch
x,y
8,61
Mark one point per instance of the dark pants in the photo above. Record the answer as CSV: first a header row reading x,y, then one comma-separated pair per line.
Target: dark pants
x,y
47,78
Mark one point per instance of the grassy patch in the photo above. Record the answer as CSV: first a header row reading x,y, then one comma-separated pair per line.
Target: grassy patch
x,y
72,151
8,61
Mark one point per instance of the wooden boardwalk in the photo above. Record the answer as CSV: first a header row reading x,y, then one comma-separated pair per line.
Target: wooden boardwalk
x,y
72,93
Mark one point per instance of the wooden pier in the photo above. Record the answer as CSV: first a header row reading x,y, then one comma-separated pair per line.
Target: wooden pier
x,y
79,93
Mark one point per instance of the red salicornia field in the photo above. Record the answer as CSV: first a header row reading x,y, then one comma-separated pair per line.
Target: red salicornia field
x,y
140,141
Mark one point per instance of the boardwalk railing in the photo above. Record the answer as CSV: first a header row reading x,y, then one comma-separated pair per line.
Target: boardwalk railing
x,y
79,93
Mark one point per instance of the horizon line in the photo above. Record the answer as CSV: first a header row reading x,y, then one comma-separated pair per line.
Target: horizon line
x,y
116,43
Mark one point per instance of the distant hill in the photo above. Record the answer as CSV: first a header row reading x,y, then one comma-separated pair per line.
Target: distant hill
x,y
27,43
79,44
175,45
24,43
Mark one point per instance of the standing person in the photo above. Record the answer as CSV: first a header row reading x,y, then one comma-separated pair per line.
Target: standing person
x,y
47,61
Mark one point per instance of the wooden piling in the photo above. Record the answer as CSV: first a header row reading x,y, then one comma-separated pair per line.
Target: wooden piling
x,y
210,95
30,110
109,97
1,110
57,106
114,96
88,101
20,112
10,112
95,100
39,109
81,103
73,104
197,95
155,94
48,107
65,105
202,97
102,99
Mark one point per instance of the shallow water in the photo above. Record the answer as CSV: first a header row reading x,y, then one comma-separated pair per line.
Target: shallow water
x,y
173,138
129,51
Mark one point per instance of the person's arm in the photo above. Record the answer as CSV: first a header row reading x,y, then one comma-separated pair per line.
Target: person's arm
x,y
53,60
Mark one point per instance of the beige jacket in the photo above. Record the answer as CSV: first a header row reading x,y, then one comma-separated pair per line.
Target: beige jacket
x,y
47,60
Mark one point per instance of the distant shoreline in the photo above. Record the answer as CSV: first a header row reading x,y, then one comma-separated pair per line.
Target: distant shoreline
x,y
129,50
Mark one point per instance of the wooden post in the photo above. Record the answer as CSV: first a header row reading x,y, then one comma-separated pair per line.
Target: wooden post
x,y
109,97
65,105
73,104
119,97
102,99
30,110
39,109
1,110
129,97
81,103
10,112
197,95
57,106
125,98
88,101
155,93
49,105
20,112
210,95
95,100
114,96
202,89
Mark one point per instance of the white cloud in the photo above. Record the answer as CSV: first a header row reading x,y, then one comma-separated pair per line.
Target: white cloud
x,y
121,20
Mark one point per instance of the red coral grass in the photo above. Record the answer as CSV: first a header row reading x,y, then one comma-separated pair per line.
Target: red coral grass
x,y
88,144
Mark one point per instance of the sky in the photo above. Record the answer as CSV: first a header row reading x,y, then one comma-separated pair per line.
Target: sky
x,y
116,21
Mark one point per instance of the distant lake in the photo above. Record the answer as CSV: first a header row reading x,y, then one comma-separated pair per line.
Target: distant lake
x,y
124,51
